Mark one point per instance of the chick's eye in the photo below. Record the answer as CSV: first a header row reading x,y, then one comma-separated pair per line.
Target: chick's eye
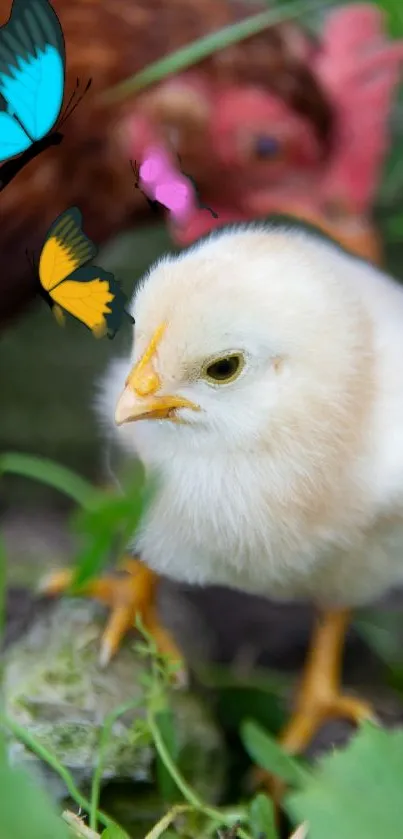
x,y
224,369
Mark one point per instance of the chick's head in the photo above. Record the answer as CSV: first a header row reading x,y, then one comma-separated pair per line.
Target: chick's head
x,y
247,335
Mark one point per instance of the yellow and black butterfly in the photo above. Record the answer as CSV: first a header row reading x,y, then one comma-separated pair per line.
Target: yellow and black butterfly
x,y
69,284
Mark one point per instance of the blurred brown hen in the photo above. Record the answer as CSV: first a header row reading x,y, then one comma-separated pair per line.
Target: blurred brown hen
x,y
109,42
267,143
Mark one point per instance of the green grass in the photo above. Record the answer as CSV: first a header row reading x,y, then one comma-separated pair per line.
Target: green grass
x,y
201,49
325,795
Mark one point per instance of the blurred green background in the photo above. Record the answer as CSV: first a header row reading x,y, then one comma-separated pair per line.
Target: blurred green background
x,y
48,374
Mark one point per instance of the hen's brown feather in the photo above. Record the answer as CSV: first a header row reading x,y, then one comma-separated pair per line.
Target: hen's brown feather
x,y
110,41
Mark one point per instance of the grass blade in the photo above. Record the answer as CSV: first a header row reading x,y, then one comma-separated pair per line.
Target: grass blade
x,y
20,733
268,754
51,473
204,47
107,729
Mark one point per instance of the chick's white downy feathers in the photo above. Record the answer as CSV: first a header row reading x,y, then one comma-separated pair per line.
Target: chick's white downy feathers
x,y
289,479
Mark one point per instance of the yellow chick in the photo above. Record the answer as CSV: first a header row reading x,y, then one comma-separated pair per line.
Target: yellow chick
x,y
265,387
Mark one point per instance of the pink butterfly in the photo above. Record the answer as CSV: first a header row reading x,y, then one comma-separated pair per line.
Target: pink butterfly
x,y
161,183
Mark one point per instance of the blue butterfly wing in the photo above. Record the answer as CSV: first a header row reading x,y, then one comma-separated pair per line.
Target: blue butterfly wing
x,y
32,66
13,140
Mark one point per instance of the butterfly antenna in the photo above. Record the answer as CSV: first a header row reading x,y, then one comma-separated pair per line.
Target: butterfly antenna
x,y
70,107
136,172
68,113
30,258
63,116
213,212
197,193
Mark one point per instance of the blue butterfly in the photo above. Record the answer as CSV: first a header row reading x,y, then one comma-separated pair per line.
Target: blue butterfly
x,y
32,81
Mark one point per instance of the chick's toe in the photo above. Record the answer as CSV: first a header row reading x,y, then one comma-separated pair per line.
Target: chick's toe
x,y
129,597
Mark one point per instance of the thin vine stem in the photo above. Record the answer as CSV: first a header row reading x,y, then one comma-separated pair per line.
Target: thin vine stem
x,y
188,793
103,742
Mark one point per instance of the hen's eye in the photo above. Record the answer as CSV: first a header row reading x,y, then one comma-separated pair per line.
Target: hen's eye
x,y
266,147
224,369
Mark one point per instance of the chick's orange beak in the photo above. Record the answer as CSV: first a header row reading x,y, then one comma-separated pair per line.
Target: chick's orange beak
x,y
161,407
139,400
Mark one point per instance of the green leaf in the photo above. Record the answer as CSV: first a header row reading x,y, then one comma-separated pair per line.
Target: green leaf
x,y
25,810
355,792
262,817
114,832
268,754
51,473
109,526
204,47
394,16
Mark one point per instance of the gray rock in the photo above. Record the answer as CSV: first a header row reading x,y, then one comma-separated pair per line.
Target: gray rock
x,y
56,689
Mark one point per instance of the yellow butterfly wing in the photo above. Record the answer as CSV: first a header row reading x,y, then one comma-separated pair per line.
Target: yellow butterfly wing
x,y
87,295
87,292
66,248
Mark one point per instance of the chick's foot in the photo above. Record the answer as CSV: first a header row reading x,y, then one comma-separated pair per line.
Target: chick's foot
x,y
128,596
319,697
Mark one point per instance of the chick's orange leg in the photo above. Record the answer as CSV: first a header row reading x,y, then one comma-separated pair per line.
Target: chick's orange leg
x,y
319,697
129,596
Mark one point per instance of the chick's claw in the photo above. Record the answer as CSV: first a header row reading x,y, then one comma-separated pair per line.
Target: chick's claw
x,y
129,597
310,717
304,724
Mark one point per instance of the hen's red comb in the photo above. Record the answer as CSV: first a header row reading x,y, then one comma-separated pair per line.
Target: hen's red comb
x,y
359,69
